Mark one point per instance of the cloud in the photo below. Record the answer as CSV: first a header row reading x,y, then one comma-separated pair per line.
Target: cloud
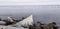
x,y
28,2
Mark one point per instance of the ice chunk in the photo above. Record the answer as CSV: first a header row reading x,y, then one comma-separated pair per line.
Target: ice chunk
x,y
27,21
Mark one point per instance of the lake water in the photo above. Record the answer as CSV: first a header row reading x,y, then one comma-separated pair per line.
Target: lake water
x,y
43,13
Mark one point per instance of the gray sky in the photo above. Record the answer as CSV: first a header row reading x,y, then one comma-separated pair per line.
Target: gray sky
x,y
29,2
